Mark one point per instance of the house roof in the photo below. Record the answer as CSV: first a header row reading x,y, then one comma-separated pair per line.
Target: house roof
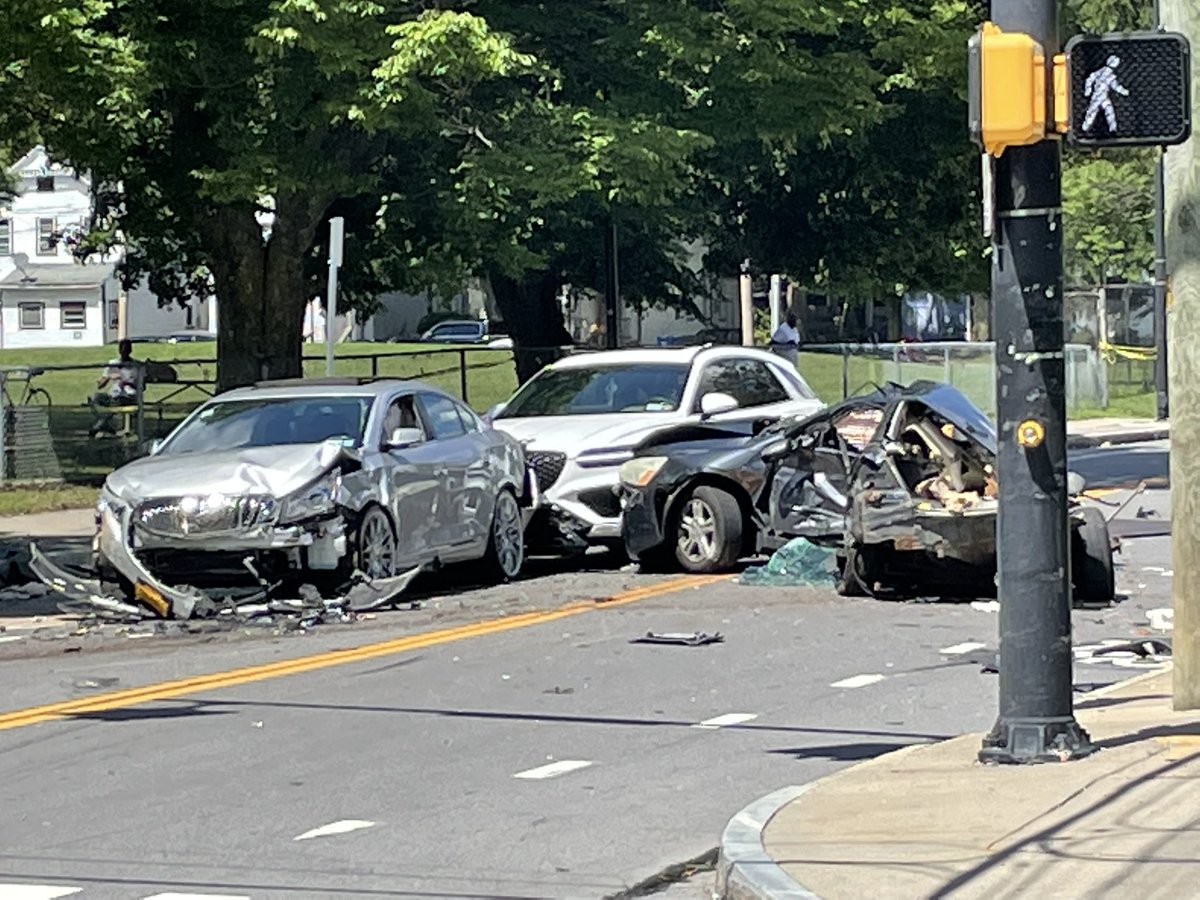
x,y
45,275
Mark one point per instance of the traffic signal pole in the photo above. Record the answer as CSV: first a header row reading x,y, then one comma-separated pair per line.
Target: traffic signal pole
x,y
1036,720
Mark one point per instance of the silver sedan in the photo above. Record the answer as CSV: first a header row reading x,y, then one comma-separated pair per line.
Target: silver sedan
x,y
309,482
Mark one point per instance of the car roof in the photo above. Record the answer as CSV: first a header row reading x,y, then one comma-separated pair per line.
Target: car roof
x,y
666,355
456,322
327,387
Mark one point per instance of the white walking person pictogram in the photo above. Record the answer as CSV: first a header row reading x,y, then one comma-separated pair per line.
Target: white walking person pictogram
x,y
1098,86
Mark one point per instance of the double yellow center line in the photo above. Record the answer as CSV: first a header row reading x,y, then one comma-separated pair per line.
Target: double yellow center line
x,y
165,690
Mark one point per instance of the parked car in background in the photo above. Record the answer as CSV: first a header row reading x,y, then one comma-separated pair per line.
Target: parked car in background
x,y
457,331
310,480
900,481
581,418
186,336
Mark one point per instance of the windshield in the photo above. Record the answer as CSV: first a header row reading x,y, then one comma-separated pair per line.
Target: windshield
x,y
233,424
585,391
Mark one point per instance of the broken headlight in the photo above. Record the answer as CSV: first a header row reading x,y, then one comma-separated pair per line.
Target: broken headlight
x,y
640,472
316,499
108,500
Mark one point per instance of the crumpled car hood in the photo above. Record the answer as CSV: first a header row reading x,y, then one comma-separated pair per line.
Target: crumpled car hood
x,y
277,471
570,434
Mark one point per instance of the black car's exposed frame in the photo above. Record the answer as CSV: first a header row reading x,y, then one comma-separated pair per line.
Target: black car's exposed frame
x,y
900,481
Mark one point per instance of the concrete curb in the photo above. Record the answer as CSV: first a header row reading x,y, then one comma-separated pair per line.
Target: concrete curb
x,y
1112,439
744,869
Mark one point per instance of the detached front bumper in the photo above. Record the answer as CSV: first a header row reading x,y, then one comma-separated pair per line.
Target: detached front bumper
x,y
318,546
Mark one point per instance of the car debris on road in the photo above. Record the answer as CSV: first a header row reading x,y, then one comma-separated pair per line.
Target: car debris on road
x,y
694,639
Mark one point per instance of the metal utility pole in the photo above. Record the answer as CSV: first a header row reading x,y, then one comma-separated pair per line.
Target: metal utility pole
x,y
746,304
612,308
1182,195
336,232
1037,721
1161,393
776,303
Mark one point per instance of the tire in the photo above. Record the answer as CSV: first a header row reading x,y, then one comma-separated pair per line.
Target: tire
x,y
506,539
851,573
375,544
708,531
1092,576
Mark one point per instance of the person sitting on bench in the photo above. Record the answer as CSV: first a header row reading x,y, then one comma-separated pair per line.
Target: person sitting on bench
x,y
116,387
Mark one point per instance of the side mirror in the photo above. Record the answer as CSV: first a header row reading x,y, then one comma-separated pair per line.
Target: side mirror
x,y
403,437
776,450
1076,484
155,446
716,403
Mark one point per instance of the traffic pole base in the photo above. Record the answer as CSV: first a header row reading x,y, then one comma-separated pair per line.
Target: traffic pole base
x,y
1026,740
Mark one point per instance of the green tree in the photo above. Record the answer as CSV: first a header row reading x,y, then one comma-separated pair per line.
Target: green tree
x,y
196,119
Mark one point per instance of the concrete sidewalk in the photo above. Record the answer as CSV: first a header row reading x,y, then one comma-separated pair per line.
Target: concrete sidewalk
x,y
1107,432
930,821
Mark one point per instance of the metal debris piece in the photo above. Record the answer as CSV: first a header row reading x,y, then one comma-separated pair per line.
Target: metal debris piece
x,y
695,639
1149,648
370,595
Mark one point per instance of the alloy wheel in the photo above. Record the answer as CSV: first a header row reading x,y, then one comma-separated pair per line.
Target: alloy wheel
x,y
698,531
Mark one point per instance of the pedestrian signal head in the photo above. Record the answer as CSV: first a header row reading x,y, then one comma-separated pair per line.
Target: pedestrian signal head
x,y
1129,89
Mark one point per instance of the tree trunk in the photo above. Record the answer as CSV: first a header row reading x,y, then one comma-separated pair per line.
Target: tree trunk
x,y
534,319
261,291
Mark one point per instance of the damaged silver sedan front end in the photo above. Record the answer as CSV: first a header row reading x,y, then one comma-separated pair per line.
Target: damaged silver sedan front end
x,y
306,489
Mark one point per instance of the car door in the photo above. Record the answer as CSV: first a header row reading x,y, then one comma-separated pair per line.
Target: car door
x,y
415,492
457,454
812,485
753,383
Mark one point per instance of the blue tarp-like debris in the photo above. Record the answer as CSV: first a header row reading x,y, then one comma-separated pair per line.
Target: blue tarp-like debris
x,y
798,563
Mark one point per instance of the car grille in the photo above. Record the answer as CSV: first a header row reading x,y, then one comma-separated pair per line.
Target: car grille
x,y
192,516
547,466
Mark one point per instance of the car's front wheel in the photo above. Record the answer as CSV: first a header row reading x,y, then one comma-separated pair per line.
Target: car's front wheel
x,y
375,544
506,542
708,531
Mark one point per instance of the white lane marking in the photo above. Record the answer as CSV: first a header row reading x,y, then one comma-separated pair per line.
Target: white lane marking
x,y
171,895
986,605
6,638
964,647
727,719
562,767
36,891
858,681
342,826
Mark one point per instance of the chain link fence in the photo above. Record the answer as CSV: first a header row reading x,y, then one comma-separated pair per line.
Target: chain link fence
x,y
837,371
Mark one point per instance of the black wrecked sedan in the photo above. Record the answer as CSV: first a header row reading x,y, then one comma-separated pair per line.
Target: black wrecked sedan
x,y
900,482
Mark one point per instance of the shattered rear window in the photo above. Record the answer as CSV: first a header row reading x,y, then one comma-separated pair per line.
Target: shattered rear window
x,y
234,424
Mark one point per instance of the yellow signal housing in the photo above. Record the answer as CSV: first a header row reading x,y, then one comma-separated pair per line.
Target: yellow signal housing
x,y
1062,94
1007,89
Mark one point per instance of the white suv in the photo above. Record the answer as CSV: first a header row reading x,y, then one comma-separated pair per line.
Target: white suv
x,y
581,417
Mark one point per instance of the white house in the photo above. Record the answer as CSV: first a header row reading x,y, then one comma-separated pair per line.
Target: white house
x,y
48,298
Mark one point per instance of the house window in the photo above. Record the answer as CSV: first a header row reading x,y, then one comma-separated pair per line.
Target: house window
x,y
45,183
46,240
5,237
32,316
114,314
74,314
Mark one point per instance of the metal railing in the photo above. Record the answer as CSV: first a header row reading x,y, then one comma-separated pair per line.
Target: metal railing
x,y
47,425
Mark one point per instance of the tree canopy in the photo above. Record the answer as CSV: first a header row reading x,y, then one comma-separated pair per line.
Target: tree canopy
x,y
502,138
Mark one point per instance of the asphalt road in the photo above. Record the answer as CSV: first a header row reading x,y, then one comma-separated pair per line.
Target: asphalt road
x,y
551,759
